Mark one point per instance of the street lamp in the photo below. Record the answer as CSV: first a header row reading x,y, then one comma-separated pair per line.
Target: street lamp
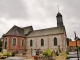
x,y
76,45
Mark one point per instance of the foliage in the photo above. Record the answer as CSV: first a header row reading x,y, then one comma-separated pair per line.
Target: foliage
x,y
67,52
79,47
65,55
0,43
0,49
67,40
7,54
47,52
77,38
1,54
3,57
0,46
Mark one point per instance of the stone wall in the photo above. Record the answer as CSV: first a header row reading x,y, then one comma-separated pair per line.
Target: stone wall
x,y
48,42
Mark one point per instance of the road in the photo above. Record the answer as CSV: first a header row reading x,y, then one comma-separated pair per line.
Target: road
x,y
74,57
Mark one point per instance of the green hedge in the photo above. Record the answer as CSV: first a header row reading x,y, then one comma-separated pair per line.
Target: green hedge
x,y
0,43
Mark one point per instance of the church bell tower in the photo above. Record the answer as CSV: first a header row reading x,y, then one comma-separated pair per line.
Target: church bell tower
x,y
59,20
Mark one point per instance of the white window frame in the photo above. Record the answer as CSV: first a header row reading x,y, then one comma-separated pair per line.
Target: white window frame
x,y
12,41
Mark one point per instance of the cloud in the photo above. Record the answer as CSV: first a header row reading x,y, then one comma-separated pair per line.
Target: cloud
x,y
12,9
40,14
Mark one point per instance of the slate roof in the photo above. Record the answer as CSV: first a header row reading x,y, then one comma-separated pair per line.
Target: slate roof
x,y
29,32
48,31
18,31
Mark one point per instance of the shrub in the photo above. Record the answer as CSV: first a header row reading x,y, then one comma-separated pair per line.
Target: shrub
x,y
67,52
79,47
3,57
0,49
7,54
1,54
65,55
47,52
0,43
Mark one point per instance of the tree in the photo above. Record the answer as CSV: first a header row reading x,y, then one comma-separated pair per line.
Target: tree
x,y
77,38
67,40
0,43
0,46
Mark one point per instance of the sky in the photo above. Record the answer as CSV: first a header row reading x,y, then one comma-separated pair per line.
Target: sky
x,y
40,14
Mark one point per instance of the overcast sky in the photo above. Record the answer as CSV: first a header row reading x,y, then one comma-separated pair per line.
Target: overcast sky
x,y
40,14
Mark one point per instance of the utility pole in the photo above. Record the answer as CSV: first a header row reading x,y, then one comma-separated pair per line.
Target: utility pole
x,y
76,45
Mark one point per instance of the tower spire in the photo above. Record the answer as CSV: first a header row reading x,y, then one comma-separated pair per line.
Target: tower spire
x,y
58,8
59,19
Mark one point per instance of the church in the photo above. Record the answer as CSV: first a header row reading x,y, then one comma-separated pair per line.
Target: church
x,y
21,38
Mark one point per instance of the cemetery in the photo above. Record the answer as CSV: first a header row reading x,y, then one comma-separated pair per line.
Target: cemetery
x,y
48,54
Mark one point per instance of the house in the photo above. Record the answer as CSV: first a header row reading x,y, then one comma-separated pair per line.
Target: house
x,y
72,44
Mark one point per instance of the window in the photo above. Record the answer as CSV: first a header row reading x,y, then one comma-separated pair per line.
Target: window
x,y
6,39
55,41
5,46
14,41
31,42
42,42
22,42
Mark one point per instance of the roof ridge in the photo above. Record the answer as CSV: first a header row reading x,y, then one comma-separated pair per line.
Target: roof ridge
x,y
27,26
45,29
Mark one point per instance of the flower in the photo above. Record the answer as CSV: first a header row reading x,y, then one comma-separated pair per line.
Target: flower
x,y
36,56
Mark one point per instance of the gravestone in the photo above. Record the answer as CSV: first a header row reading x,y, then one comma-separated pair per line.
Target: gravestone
x,y
4,51
33,52
28,54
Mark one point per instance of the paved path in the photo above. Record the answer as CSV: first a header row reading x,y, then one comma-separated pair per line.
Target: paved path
x,y
73,59
73,55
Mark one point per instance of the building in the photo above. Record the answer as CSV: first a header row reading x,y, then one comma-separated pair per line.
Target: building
x,y
18,38
72,44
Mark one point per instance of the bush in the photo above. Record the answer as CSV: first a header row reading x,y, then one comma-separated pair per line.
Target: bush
x,y
0,49
0,43
47,52
3,57
67,52
65,55
79,47
7,54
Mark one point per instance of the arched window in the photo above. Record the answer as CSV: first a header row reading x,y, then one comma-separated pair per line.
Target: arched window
x,y
6,39
22,42
14,41
55,41
31,42
5,46
42,42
